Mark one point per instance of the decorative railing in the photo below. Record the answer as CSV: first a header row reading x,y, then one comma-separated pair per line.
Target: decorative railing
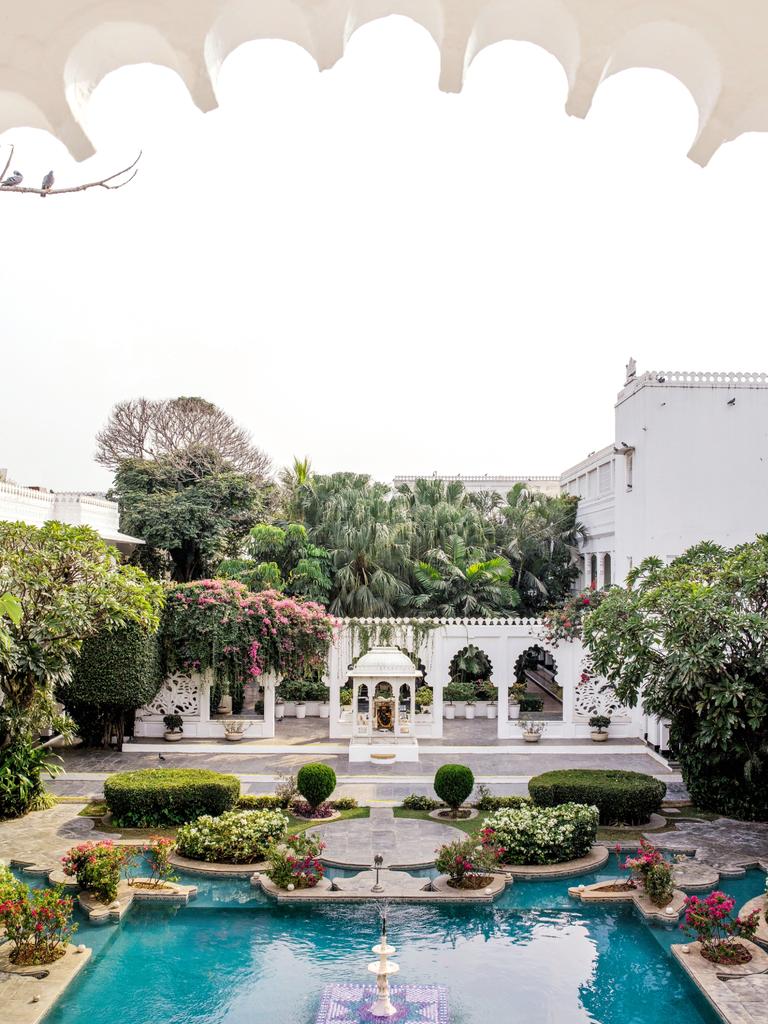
x,y
404,623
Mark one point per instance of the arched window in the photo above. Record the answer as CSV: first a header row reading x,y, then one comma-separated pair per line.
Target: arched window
x,y
606,570
592,570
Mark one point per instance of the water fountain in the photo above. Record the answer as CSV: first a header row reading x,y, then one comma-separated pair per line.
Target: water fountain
x,y
383,1003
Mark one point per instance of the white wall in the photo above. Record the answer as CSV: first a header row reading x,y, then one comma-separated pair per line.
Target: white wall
x,y
700,465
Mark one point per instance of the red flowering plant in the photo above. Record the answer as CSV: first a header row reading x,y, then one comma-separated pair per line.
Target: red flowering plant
x,y
97,867
157,857
38,922
653,872
240,634
295,863
710,921
469,863
566,623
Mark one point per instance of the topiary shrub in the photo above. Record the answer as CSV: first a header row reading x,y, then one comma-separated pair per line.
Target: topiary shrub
x,y
316,782
454,784
627,798
117,672
236,837
542,835
168,796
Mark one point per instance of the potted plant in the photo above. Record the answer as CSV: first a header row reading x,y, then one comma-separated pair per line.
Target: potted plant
x,y
235,729
325,707
345,697
488,692
449,708
599,725
424,699
279,709
301,709
225,701
532,731
174,727
516,694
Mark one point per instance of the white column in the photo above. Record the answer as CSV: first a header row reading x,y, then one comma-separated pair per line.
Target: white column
x,y
269,704
600,570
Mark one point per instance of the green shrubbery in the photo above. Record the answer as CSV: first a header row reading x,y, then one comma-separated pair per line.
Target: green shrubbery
x,y
302,690
542,835
316,782
236,837
168,796
416,802
261,802
487,802
627,798
454,784
118,671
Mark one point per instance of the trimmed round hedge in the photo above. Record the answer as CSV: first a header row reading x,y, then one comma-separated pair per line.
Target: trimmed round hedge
x,y
168,796
454,784
625,798
316,782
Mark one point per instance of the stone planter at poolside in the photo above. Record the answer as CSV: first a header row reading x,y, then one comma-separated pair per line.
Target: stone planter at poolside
x,y
598,737
174,737
531,737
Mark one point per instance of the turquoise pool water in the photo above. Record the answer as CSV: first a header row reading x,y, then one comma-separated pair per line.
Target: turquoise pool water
x,y
533,957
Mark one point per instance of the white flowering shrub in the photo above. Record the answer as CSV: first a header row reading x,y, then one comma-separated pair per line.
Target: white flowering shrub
x,y
543,835
236,837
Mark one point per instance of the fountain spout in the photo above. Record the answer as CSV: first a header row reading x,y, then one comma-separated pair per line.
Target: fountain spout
x,y
383,968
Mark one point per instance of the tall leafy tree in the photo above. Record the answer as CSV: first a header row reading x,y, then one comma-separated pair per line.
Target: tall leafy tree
x,y
67,585
277,558
197,509
690,641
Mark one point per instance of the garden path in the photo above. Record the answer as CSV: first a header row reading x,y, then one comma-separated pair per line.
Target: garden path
x,y
400,841
42,837
726,844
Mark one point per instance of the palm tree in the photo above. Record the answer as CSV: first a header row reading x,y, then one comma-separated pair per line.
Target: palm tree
x,y
462,582
293,479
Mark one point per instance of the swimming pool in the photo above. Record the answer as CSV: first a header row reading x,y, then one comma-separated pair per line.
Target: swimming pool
x,y
533,957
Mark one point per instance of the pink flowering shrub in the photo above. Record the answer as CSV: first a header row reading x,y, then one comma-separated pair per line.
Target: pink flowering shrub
x,y
710,920
38,922
242,634
157,854
97,867
296,862
468,862
653,872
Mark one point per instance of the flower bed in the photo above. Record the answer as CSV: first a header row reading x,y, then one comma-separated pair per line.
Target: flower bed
x,y
542,835
469,863
97,867
653,872
237,837
711,922
38,923
295,863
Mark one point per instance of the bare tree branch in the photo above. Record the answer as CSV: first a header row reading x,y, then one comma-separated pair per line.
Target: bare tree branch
x,y
109,182
176,430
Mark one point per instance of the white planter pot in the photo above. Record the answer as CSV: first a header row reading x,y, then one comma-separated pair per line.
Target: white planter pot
x,y
491,711
514,712
174,737
449,711
599,737
233,737
469,711
531,737
279,711
225,705
325,710
301,710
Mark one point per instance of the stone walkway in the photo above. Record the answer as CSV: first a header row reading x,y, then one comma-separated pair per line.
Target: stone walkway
x,y
42,837
402,842
727,845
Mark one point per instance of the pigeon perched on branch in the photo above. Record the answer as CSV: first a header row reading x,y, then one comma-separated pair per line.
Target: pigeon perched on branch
x,y
13,179
47,184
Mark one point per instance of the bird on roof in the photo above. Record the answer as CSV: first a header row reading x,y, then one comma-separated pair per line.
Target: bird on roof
x,y
13,179
47,184
731,401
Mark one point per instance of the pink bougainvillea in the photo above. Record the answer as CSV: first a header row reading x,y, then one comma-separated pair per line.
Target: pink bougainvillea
x,y
241,634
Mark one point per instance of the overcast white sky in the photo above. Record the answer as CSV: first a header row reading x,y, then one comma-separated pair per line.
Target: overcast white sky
x,y
368,271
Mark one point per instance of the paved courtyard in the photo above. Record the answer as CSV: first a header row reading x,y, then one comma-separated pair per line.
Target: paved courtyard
x,y
402,842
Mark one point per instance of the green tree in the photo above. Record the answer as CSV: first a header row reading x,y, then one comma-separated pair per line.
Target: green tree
x,y
68,585
462,582
277,558
195,508
690,641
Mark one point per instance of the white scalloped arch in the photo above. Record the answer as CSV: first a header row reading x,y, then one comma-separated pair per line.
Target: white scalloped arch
x,y
54,52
